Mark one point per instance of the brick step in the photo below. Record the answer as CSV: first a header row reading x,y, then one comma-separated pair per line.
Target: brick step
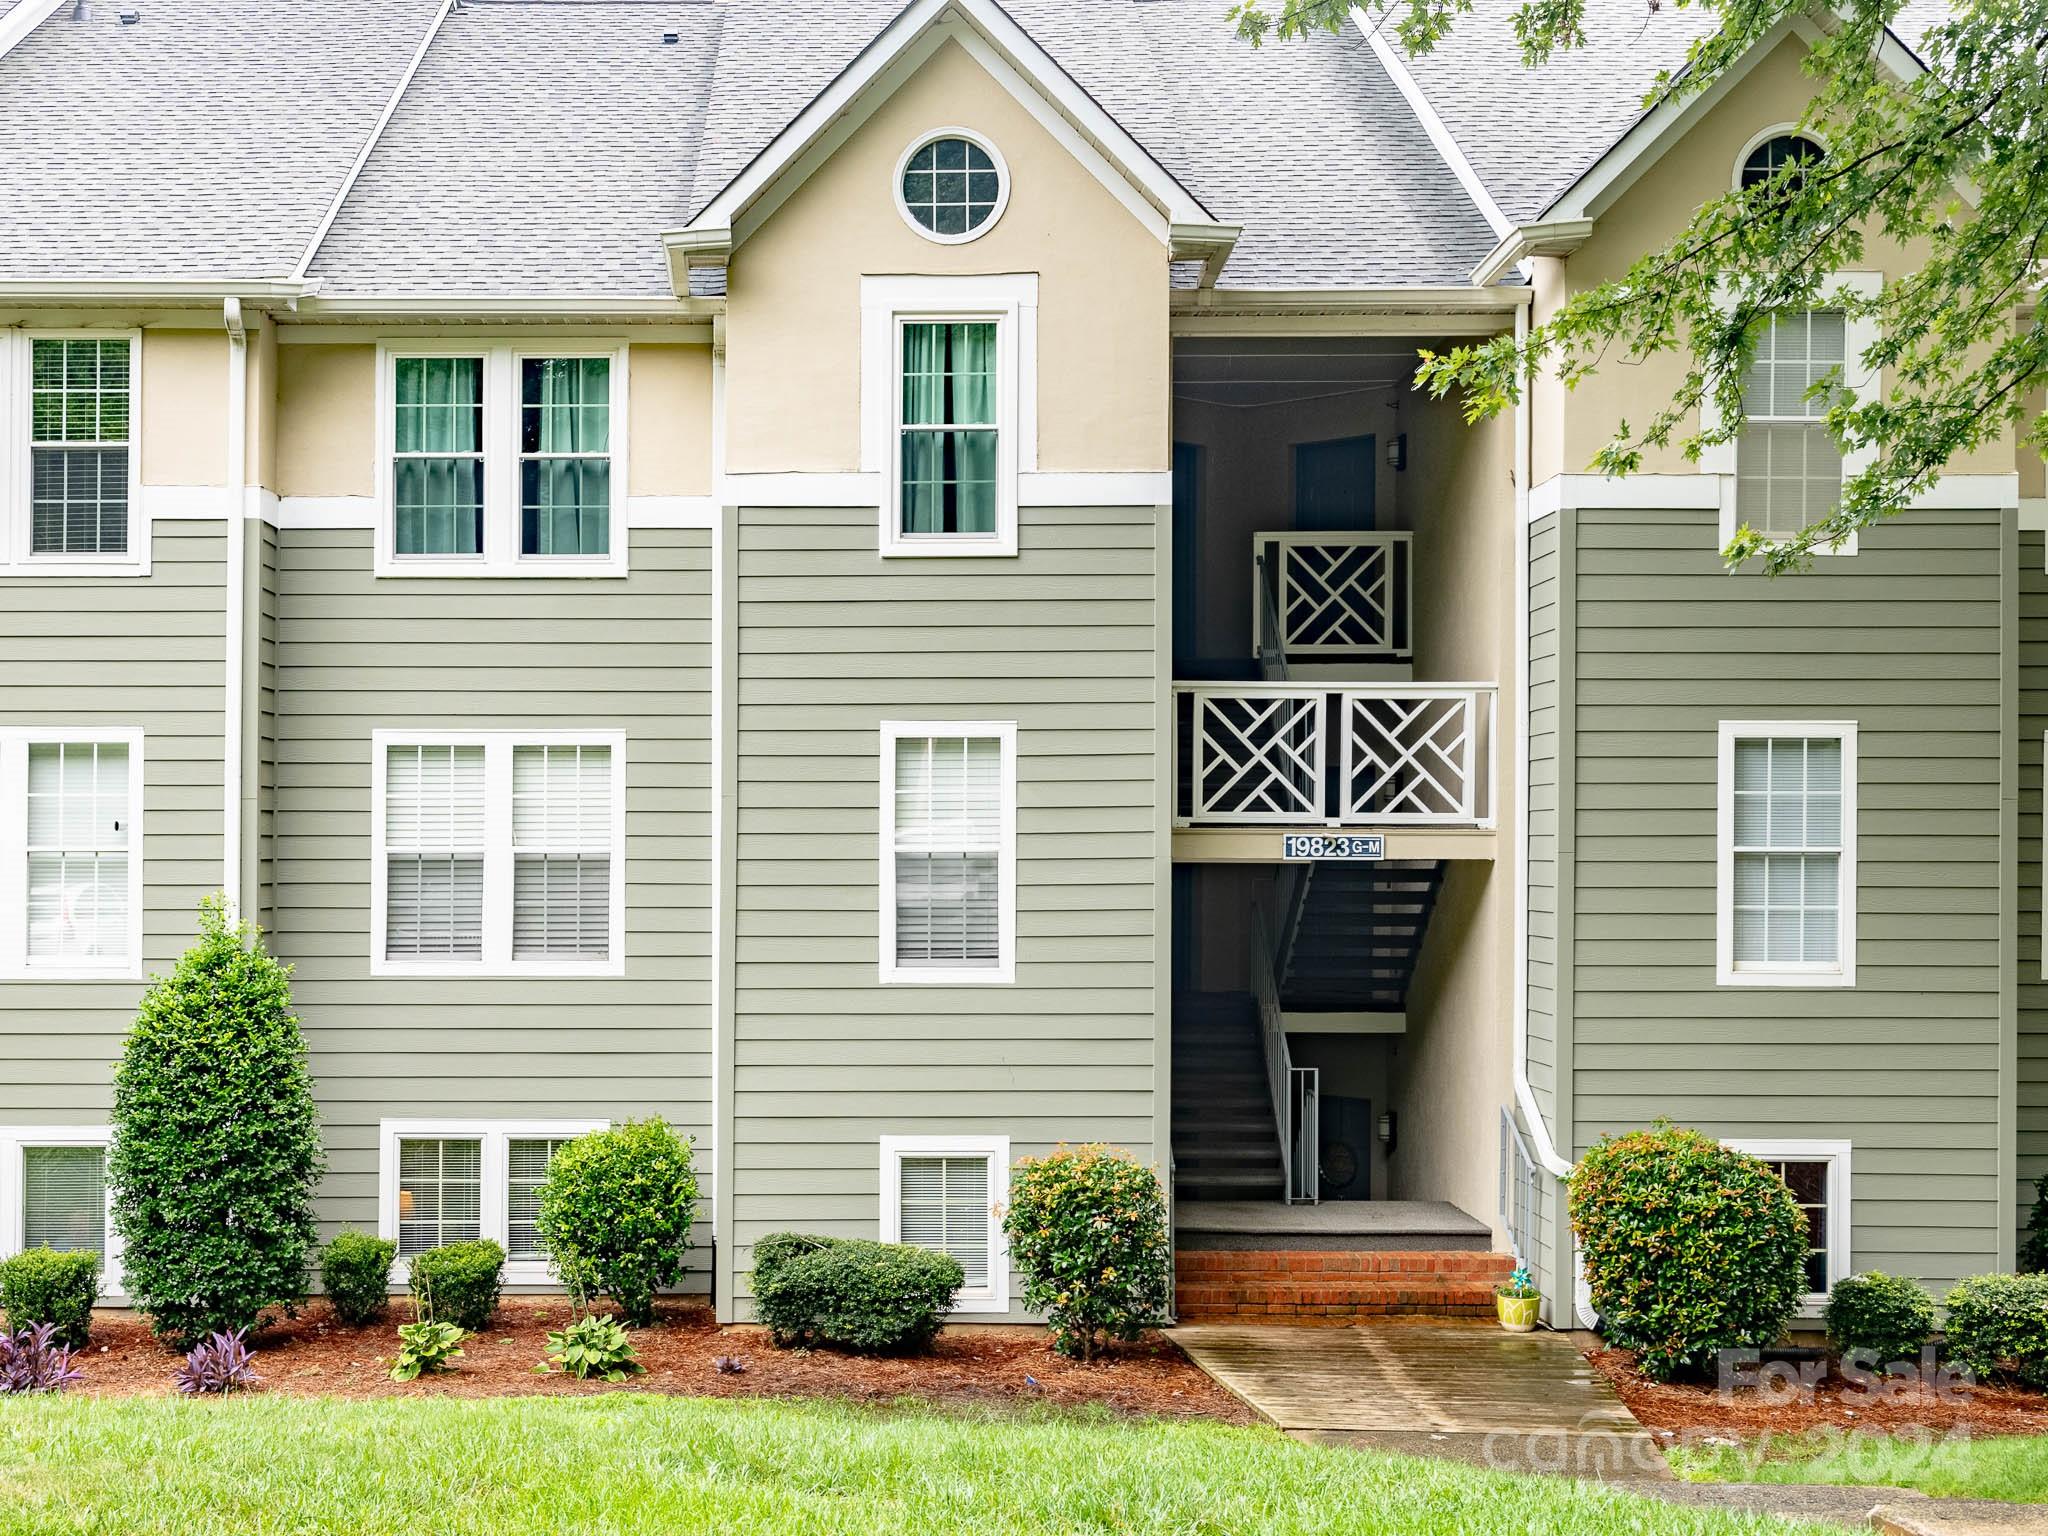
x,y
1261,1265
1334,1286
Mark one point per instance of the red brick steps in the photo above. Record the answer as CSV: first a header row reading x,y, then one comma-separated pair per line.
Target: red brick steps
x,y
1333,1286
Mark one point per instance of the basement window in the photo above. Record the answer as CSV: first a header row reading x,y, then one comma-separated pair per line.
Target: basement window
x,y
941,1192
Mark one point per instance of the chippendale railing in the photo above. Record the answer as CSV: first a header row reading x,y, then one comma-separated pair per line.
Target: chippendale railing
x,y
1332,596
1276,753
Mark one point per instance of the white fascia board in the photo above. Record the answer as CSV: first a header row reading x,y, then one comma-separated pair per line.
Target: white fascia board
x,y
24,19
1439,132
508,307
1550,237
138,290
999,45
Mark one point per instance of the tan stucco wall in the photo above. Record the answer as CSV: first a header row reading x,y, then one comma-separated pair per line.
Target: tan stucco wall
x,y
793,306
262,413
326,419
181,419
1700,166
669,436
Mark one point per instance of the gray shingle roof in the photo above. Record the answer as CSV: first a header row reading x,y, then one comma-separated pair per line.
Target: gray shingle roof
x,y
204,141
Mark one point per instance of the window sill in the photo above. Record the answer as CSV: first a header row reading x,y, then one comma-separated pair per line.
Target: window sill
x,y
74,569
979,1306
481,971
72,977
965,547
989,976
1749,978
501,570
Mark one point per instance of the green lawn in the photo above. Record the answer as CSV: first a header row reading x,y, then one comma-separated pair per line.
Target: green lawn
x,y
2015,1469
627,1463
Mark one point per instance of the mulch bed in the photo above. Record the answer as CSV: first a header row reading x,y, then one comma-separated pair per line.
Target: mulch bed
x,y
1679,1409
315,1356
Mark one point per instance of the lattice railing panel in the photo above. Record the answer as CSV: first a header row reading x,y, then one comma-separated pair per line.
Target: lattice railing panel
x,y
1410,757
1258,755
1338,595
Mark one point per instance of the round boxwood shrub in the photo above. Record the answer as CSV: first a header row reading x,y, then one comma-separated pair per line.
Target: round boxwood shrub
x,y
41,1285
1690,1248
216,1145
850,1293
1998,1327
355,1270
1087,1228
458,1283
615,1213
1884,1317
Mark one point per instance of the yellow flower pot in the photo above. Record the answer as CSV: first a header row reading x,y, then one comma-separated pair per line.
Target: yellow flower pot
x,y
1517,1313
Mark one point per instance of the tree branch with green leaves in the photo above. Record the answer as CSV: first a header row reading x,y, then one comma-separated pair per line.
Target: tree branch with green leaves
x,y
1949,164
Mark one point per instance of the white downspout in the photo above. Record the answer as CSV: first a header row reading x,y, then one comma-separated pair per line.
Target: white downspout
x,y
231,732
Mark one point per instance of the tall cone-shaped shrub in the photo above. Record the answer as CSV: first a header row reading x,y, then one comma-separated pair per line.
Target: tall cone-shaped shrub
x,y
216,1144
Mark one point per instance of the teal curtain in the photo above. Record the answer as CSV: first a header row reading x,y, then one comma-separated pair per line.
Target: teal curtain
x,y
565,470
949,428
438,467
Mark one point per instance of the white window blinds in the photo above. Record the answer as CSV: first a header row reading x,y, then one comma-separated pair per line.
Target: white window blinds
x,y
948,851
79,431
1788,842
526,1169
561,842
434,852
943,1204
64,1199
440,1193
79,806
1788,470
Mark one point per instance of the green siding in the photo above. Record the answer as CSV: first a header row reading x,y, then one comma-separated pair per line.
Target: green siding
x,y
1545,576
2033,989
832,640
354,653
1904,638
143,652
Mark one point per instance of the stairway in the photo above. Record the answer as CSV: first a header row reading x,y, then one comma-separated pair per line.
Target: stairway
x,y
1358,936
1225,1146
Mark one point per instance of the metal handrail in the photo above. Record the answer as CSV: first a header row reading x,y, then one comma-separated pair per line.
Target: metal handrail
x,y
1517,1188
1273,1040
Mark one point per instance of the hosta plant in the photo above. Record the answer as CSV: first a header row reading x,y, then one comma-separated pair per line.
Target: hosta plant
x,y
1087,1227
593,1346
426,1347
33,1361
218,1366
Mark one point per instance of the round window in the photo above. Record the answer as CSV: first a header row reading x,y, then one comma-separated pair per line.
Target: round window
x,y
951,187
1774,154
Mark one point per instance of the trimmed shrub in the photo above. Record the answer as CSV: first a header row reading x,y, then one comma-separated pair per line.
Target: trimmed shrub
x,y
1998,1327
458,1283
2034,1251
1087,1228
355,1270
850,1293
1880,1315
1690,1247
216,1140
615,1213
41,1285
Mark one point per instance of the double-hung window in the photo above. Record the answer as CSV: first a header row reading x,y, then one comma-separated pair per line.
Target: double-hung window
x,y
53,1194
949,808
68,467
498,852
1787,856
499,460
452,1181
941,1193
70,853
948,408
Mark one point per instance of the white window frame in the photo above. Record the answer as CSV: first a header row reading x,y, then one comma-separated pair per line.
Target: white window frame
x,y
1727,973
1004,971
1860,335
492,1211
1836,1154
1763,137
501,457
15,742
980,142
15,1140
1010,301
16,472
995,1297
496,960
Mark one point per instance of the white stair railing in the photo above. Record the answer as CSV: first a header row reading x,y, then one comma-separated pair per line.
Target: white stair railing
x,y
1334,596
1280,1068
1518,1190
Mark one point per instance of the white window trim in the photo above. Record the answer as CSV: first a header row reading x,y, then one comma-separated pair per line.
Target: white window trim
x,y
14,744
16,483
15,1140
887,304
1836,1155
1860,336
1764,136
1727,974
996,1296
501,455
497,958
1004,971
981,143
492,1221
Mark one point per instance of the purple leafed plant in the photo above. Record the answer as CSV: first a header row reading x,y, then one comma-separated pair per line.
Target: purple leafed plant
x,y
31,1361
221,1365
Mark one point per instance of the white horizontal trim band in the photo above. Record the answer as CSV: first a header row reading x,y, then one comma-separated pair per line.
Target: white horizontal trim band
x,y
326,512
1705,492
1035,488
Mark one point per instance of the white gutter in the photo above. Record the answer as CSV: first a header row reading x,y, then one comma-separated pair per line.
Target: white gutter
x,y
24,19
1439,134
237,531
141,290
1436,299
501,306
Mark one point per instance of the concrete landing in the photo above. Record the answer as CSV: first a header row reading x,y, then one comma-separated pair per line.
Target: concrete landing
x,y
1358,1226
1515,1402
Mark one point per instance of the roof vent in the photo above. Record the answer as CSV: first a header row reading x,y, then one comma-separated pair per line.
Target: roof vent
x,y
129,18
671,38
